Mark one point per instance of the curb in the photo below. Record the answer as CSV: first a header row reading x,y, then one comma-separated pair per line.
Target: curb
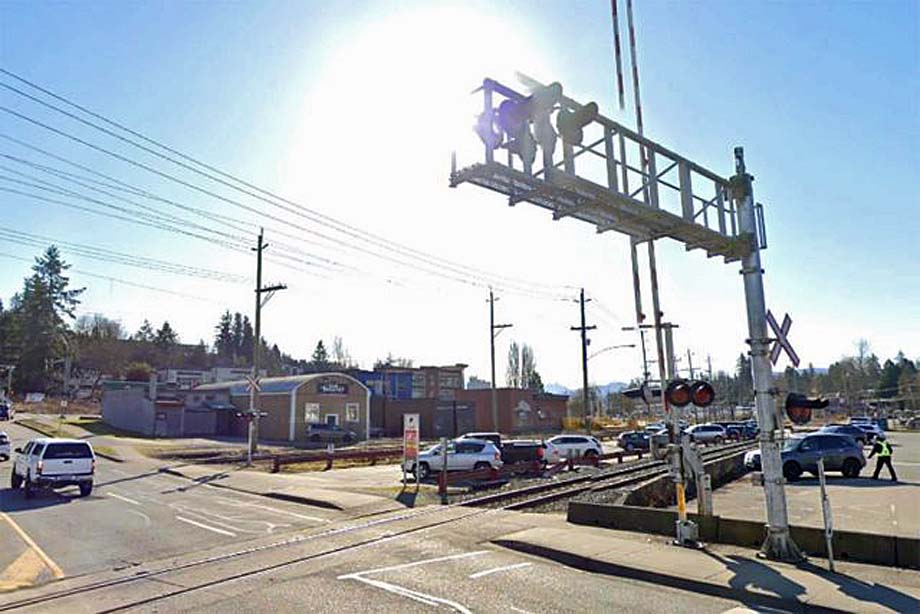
x,y
115,459
653,577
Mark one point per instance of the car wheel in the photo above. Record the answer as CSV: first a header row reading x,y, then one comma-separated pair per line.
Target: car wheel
x,y
792,471
85,490
851,468
27,487
628,447
590,453
481,466
15,480
718,440
423,471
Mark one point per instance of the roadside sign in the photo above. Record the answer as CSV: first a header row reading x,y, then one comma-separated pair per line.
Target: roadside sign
x,y
410,436
781,342
253,383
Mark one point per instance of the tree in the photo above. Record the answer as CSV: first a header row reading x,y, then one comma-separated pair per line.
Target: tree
x,y
41,313
145,332
888,382
513,371
138,372
393,361
745,380
98,346
320,357
236,333
536,382
223,335
340,355
528,366
166,337
247,342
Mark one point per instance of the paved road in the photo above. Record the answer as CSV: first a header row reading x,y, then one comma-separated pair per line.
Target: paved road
x,y
136,513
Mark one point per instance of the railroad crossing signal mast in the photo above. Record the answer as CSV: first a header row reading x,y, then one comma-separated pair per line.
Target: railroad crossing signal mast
x,y
698,208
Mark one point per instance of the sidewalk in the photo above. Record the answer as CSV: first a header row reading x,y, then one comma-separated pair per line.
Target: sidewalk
x,y
723,571
302,488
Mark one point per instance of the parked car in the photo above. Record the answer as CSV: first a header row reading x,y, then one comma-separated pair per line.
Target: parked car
x,y
329,433
654,428
847,429
633,440
707,433
801,453
872,430
54,463
495,438
733,430
462,455
4,446
522,451
560,447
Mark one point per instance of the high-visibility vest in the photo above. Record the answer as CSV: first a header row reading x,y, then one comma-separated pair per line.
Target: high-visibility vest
x,y
886,449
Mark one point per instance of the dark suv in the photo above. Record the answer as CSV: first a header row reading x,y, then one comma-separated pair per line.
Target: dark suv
x,y
330,433
633,440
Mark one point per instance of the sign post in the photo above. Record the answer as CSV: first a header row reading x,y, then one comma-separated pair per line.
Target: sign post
x,y
826,511
410,444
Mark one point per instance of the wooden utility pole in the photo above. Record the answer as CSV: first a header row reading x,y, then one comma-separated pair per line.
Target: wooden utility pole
x,y
584,354
492,335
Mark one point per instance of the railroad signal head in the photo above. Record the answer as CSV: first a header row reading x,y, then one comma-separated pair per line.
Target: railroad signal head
x,y
702,393
571,123
678,393
488,129
798,407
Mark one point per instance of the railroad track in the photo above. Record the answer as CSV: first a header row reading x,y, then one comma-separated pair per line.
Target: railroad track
x,y
542,494
513,499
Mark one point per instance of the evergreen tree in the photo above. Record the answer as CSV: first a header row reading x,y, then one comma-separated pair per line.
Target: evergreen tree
x,y
166,336
145,332
888,382
41,313
320,356
236,333
247,342
223,336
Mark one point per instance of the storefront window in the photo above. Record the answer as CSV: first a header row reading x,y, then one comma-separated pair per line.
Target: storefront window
x,y
311,413
351,412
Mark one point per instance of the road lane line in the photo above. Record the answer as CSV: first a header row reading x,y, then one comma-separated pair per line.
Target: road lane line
x,y
125,499
144,516
480,574
56,571
451,557
402,591
204,526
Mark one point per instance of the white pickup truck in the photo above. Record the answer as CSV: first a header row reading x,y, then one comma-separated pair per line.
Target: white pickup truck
x,y
54,463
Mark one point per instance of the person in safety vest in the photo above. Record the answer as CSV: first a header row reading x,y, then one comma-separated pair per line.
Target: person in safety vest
x,y
883,450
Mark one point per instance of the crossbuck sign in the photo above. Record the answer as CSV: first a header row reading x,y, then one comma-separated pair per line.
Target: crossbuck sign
x,y
782,342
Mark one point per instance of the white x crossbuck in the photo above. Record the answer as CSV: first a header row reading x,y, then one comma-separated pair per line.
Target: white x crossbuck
x,y
781,342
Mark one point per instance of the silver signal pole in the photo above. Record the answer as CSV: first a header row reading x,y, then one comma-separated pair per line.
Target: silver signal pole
x,y
778,544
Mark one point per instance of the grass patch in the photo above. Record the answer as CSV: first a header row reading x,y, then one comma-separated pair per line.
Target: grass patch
x,y
97,427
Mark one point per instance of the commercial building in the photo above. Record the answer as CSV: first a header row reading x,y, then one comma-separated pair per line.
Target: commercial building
x,y
519,411
186,379
293,402
427,382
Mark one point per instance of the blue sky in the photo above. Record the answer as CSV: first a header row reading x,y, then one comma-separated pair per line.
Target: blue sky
x,y
339,106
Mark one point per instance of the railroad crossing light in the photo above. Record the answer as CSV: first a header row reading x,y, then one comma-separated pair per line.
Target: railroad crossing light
x,y
571,123
678,393
515,116
488,129
798,407
702,393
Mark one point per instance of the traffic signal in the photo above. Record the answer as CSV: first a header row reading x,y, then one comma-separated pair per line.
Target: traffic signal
x,y
571,123
681,393
798,407
678,393
702,393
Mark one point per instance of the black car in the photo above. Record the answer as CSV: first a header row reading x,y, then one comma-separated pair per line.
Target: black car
x,y
330,433
523,451
633,440
847,429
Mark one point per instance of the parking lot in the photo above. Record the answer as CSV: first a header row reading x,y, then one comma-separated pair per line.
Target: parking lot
x,y
859,504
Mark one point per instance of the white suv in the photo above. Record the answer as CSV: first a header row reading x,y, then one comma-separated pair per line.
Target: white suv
x,y
4,446
54,463
462,455
561,447
707,433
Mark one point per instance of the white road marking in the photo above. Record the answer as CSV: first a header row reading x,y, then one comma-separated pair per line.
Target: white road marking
x,y
143,516
514,609
414,595
480,574
451,557
204,526
125,499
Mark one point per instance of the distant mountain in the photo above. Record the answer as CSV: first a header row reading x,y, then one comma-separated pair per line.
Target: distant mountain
x,y
605,388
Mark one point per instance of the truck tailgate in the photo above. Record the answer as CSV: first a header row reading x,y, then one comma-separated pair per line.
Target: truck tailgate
x,y
74,458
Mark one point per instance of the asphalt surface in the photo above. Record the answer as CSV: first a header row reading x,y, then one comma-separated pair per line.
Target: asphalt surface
x,y
135,513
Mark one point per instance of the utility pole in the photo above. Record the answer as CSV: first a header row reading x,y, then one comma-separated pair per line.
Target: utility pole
x,y
584,353
492,335
778,543
690,362
268,291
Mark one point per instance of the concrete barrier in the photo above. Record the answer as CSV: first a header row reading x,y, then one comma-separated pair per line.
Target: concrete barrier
x,y
890,550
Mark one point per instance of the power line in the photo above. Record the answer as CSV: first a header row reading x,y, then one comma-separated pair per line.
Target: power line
x,y
299,209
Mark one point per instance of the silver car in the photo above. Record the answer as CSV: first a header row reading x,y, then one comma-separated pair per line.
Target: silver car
x,y
462,455
707,433
4,446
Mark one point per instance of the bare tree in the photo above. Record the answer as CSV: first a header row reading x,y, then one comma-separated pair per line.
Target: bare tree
x,y
513,372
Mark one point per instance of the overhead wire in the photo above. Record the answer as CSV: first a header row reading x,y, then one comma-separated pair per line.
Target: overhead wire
x,y
299,209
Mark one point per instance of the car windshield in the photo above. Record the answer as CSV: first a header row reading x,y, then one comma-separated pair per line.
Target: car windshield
x,y
792,443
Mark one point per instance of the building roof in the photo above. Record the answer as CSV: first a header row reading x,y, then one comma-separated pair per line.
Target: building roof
x,y
272,385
